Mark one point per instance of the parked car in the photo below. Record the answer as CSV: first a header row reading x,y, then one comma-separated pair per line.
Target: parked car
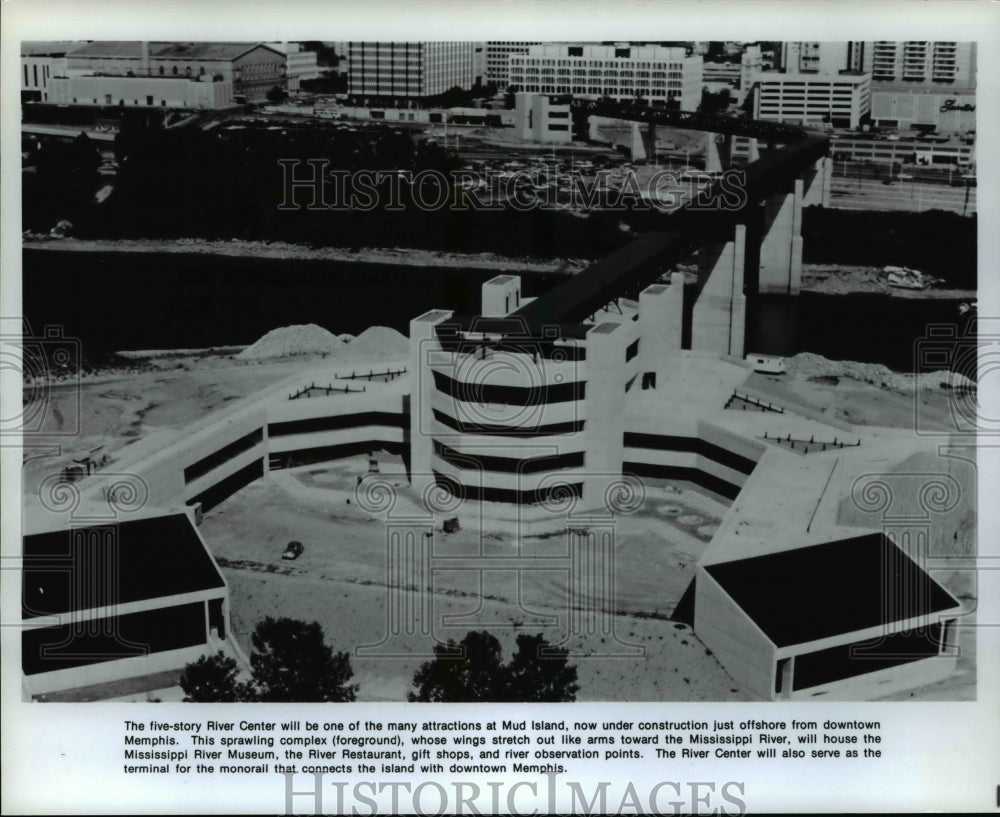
x,y
293,550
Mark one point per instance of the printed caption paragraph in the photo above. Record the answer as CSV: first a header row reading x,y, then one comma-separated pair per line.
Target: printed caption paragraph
x,y
495,746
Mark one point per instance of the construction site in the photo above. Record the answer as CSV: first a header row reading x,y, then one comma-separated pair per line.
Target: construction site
x,y
600,463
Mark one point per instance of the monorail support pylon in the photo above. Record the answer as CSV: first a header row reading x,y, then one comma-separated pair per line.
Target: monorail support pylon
x,y
718,322
781,241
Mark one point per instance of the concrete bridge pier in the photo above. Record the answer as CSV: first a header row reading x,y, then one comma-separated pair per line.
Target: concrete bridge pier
x,y
781,242
718,152
718,322
817,182
636,145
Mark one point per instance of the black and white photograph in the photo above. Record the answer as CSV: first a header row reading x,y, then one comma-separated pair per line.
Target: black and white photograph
x,y
627,400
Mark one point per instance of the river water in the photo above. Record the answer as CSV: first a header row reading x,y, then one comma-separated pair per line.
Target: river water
x,y
118,300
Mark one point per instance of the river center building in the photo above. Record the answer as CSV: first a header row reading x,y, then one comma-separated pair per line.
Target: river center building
x,y
534,430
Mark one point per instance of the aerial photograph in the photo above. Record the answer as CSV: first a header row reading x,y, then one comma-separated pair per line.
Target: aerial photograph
x,y
498,371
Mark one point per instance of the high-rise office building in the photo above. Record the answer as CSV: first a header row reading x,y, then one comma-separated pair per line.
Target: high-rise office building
x,y
391,72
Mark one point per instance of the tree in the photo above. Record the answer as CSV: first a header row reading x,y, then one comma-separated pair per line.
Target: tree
x,y
716,51
715,102
472,671
540,673
213,679
277,94
291,662
462,672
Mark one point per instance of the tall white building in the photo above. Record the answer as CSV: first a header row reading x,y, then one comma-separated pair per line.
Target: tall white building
x,y
498,56
922,62
622,72
387,72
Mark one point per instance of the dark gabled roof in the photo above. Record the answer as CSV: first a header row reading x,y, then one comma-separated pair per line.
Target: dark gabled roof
x,y
132,49
129,49
83,568
826,590
206,51
47,48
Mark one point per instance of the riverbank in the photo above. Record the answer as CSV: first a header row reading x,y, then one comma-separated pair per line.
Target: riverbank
x,y
237,248
845,279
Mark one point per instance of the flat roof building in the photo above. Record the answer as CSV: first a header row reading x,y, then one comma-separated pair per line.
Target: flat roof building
x,y
939,107
655,74
253,69
838,100
498,54
401,73
104,603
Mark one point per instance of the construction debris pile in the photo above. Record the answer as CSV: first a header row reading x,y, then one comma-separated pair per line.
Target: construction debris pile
x,y
379,342
376,342
305,339
807,364
906,278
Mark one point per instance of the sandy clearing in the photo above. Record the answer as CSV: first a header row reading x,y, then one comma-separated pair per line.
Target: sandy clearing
x,y
669,663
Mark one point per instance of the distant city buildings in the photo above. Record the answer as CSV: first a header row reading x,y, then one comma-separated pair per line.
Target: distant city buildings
x,y
132,73
900,85
299,64
822,57
839,84
655,74
922,62
838,100
40,61
401,73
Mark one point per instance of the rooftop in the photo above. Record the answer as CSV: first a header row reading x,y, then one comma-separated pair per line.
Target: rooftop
x,y
133,561
132,49
810,593
52,48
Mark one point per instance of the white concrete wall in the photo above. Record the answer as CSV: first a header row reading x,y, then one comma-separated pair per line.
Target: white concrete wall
x,y
423,349
501,296
605,400
781,246
719,316
661,317
133,92
739,645
106,671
